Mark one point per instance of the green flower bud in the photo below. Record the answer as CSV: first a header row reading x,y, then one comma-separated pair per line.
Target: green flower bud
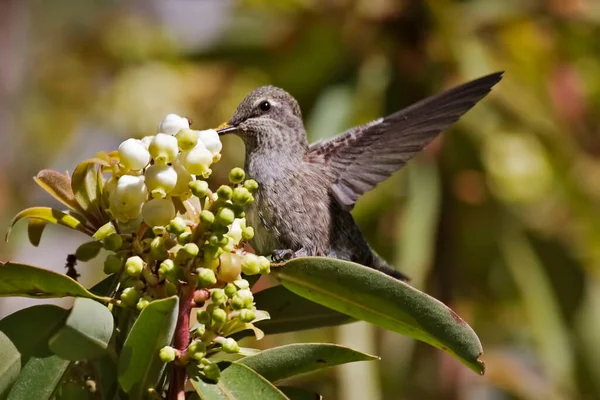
x,y
248,233
187,139
265,265
158,212
210,253
229,345
167,269
158,249
246,296
190,250
207,218
159,230
236,175
225,216
250,264
212,372
241,196
219,315
247,315
130,296
142,303
176,226
229,245
134,266
218,296
185,237
230,290
206,277
113,242
242,284
200,330
251,185
199,188
163,148
88,250
104,231
197,350
113,264
167,354
224,192
237,303
203,317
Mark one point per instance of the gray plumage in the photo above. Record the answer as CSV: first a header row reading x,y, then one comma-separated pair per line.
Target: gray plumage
x,y
306,192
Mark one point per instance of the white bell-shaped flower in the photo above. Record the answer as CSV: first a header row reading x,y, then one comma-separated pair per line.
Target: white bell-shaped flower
x,y
172,124
146,140
164,148
158,212
211,140
127,197
236,228
182,187
160,179
133,154
197,160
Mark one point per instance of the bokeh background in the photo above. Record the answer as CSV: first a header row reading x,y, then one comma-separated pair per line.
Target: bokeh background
x,y
499,218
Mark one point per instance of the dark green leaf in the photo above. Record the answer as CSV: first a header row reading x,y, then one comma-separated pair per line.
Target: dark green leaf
x,y
284,362
139,364
238,382
299,394
24,334
86,332
35,229
39,378
27,281
372,296
290,312
52,216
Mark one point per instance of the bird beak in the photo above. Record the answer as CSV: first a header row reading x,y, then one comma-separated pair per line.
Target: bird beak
x,y
225,128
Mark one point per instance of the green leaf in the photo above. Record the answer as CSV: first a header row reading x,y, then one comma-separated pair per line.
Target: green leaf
x,y
290,312
237,382
85,187
27,281
284,362
58,186
372,296
235,325
35,229
24,334
139,364
86,332
299,394
53,216
39,378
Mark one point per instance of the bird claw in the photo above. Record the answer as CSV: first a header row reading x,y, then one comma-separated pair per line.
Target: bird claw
x,y
282,255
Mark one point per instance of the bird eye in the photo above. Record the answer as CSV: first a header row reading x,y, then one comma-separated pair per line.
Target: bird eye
x,y
264,106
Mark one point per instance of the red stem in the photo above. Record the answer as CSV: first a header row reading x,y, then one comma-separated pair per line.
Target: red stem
x,y
182,339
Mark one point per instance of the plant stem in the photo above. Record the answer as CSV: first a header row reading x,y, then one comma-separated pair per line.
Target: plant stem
x,y
182,339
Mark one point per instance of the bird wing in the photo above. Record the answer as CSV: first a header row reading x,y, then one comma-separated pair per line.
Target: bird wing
x,y
360,158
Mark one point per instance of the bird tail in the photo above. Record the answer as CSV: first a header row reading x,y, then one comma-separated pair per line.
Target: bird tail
x,y
381,265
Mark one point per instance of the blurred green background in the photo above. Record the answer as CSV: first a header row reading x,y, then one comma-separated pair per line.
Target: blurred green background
x,y
499,218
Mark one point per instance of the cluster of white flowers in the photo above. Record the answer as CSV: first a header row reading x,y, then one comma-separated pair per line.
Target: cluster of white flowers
x,y
160,167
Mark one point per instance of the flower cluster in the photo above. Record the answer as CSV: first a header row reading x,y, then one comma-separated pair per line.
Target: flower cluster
x,y
168,232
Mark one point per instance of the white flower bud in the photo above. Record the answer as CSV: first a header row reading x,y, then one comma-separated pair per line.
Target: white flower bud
x,y
236,229
182,188
172,124
164,148
146,140
133,154
197,160
211,140
158,212
160,179
127,198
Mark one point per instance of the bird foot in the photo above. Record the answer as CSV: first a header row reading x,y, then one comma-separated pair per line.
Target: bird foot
x,y
282,255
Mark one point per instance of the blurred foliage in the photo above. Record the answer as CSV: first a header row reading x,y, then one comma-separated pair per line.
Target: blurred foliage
x,y
500,218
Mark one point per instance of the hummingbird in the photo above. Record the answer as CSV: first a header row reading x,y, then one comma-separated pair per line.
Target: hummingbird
x,y
307,191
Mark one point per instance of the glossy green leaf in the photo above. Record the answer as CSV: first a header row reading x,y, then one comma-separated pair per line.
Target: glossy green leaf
x,y
139,364
52,216
24,334
39,378
294,393
35,229
86,332
27,281
237,382
235,325
372,296
284,362
58,185
290,312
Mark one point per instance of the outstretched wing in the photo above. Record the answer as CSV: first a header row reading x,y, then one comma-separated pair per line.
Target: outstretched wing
x,y
361,157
